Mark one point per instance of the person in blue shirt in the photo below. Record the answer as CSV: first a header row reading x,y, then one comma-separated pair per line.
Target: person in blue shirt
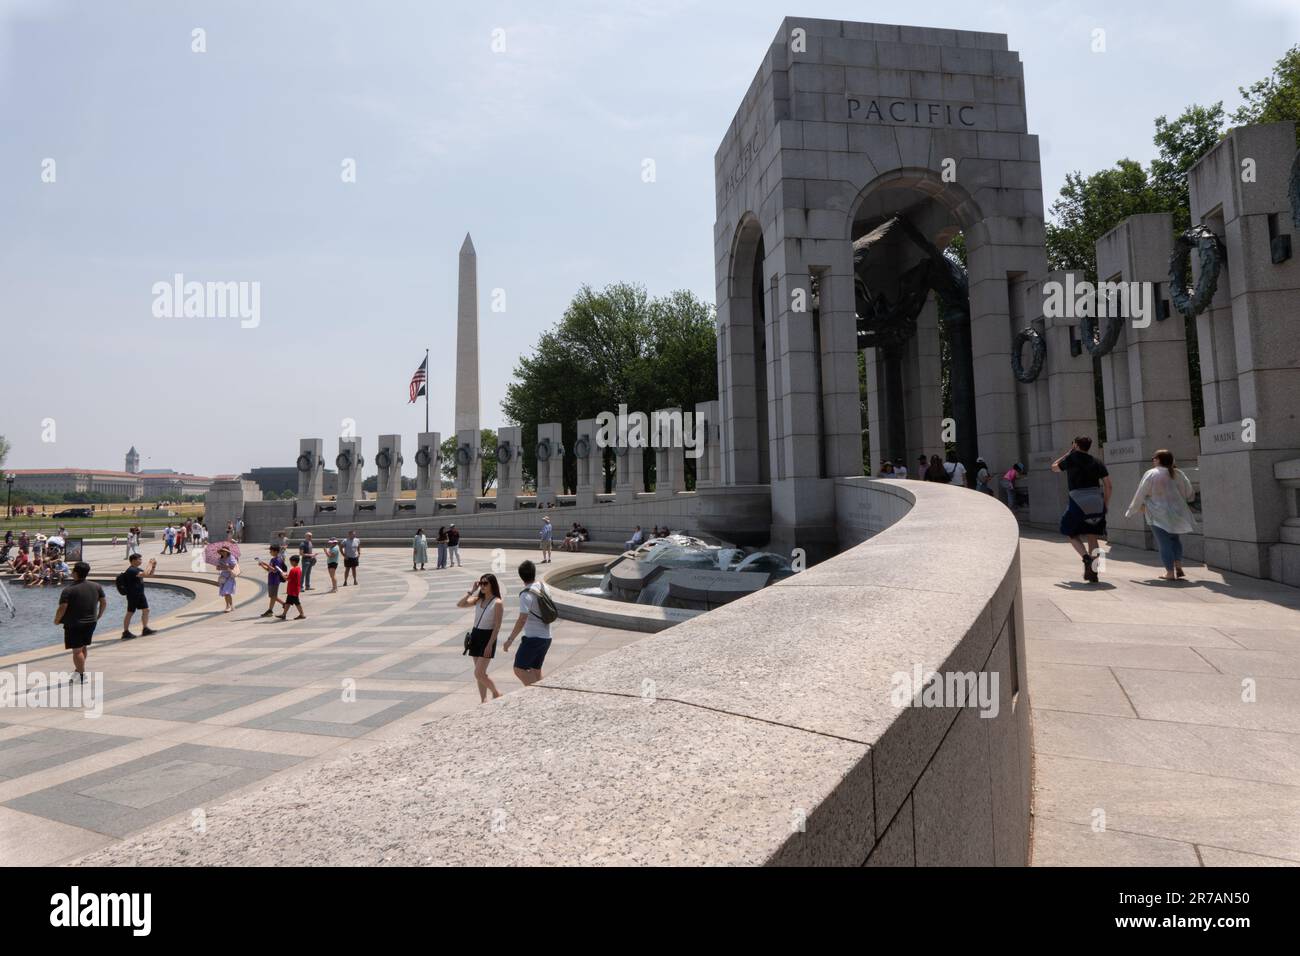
x,y
547,534
275,570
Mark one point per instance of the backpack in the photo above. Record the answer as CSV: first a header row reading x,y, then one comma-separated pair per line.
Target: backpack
x,y
546,611
120,581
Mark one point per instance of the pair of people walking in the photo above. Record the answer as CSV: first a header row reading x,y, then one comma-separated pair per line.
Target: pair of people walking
x,y
1162,497
536,614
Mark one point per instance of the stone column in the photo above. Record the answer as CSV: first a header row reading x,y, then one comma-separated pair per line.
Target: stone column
x,y
999,248
349,463
510,464
469,470
670,457
629,478
1251,420
550,463
586,450
428,473
311,475
1148,369
707,465
1063,400
922,381
804,414
389,461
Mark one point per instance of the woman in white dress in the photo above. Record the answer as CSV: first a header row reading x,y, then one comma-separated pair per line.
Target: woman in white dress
x,y
1162,496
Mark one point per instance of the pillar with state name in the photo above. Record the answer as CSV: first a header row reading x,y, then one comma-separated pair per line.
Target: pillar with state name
x,y
709,462
629,477
311,475
349,463
670,460
388,459
550,463
510,467
586,451
428,473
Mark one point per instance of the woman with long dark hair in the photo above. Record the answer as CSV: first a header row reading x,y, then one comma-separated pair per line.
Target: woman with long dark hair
x,y
481,641
1162,496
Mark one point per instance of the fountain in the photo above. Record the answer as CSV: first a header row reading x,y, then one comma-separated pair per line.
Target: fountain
x,y
680,571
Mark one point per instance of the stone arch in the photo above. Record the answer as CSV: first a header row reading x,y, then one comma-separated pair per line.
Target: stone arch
x,y
905,404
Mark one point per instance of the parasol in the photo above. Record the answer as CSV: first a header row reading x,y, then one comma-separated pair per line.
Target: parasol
x,y
211,552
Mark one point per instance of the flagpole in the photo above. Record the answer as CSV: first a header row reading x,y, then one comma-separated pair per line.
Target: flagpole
x,y
427,374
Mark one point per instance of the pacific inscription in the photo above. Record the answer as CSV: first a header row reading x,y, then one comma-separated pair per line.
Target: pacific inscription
x,y
880,110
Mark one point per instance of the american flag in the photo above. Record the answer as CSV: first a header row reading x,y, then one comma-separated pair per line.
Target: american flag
x,y
418,380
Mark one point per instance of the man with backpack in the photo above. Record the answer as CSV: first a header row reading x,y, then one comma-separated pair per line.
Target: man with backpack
x,y
536,613
131,584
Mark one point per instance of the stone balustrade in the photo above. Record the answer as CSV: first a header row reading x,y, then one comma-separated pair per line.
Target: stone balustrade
x,y
760,733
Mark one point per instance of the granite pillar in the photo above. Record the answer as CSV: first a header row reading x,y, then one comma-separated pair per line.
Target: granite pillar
x,y
428,473
510,464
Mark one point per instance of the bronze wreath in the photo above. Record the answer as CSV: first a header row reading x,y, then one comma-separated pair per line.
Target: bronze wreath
x,y
1038,351
1192,302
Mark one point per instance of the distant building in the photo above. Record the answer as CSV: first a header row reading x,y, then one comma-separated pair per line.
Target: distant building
x,y
117,485
276,481
132,461
172,485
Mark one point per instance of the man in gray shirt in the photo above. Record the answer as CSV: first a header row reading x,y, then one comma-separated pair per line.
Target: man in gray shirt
x,y
81,605
351,556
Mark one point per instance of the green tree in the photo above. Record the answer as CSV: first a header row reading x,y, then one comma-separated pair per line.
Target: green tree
x,y
1089,207
1276,97
1180,145
488,442
4,450
614,346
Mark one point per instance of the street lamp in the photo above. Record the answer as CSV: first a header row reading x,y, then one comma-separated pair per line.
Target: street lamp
x,y
9,506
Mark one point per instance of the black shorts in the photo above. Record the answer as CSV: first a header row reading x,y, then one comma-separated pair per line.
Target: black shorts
x,y
479,640
292,599
531,653
273,590
351,562
137,602
77,635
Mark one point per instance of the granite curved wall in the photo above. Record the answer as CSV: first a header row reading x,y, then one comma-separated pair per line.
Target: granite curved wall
x,y
763,732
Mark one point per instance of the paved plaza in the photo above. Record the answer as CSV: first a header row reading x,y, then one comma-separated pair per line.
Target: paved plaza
x,y
216,704
1145,752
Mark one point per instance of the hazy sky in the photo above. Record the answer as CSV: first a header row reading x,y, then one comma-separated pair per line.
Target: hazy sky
x,y
225,166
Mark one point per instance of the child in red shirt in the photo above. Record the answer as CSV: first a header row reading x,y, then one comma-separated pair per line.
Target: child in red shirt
x,y
293,589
